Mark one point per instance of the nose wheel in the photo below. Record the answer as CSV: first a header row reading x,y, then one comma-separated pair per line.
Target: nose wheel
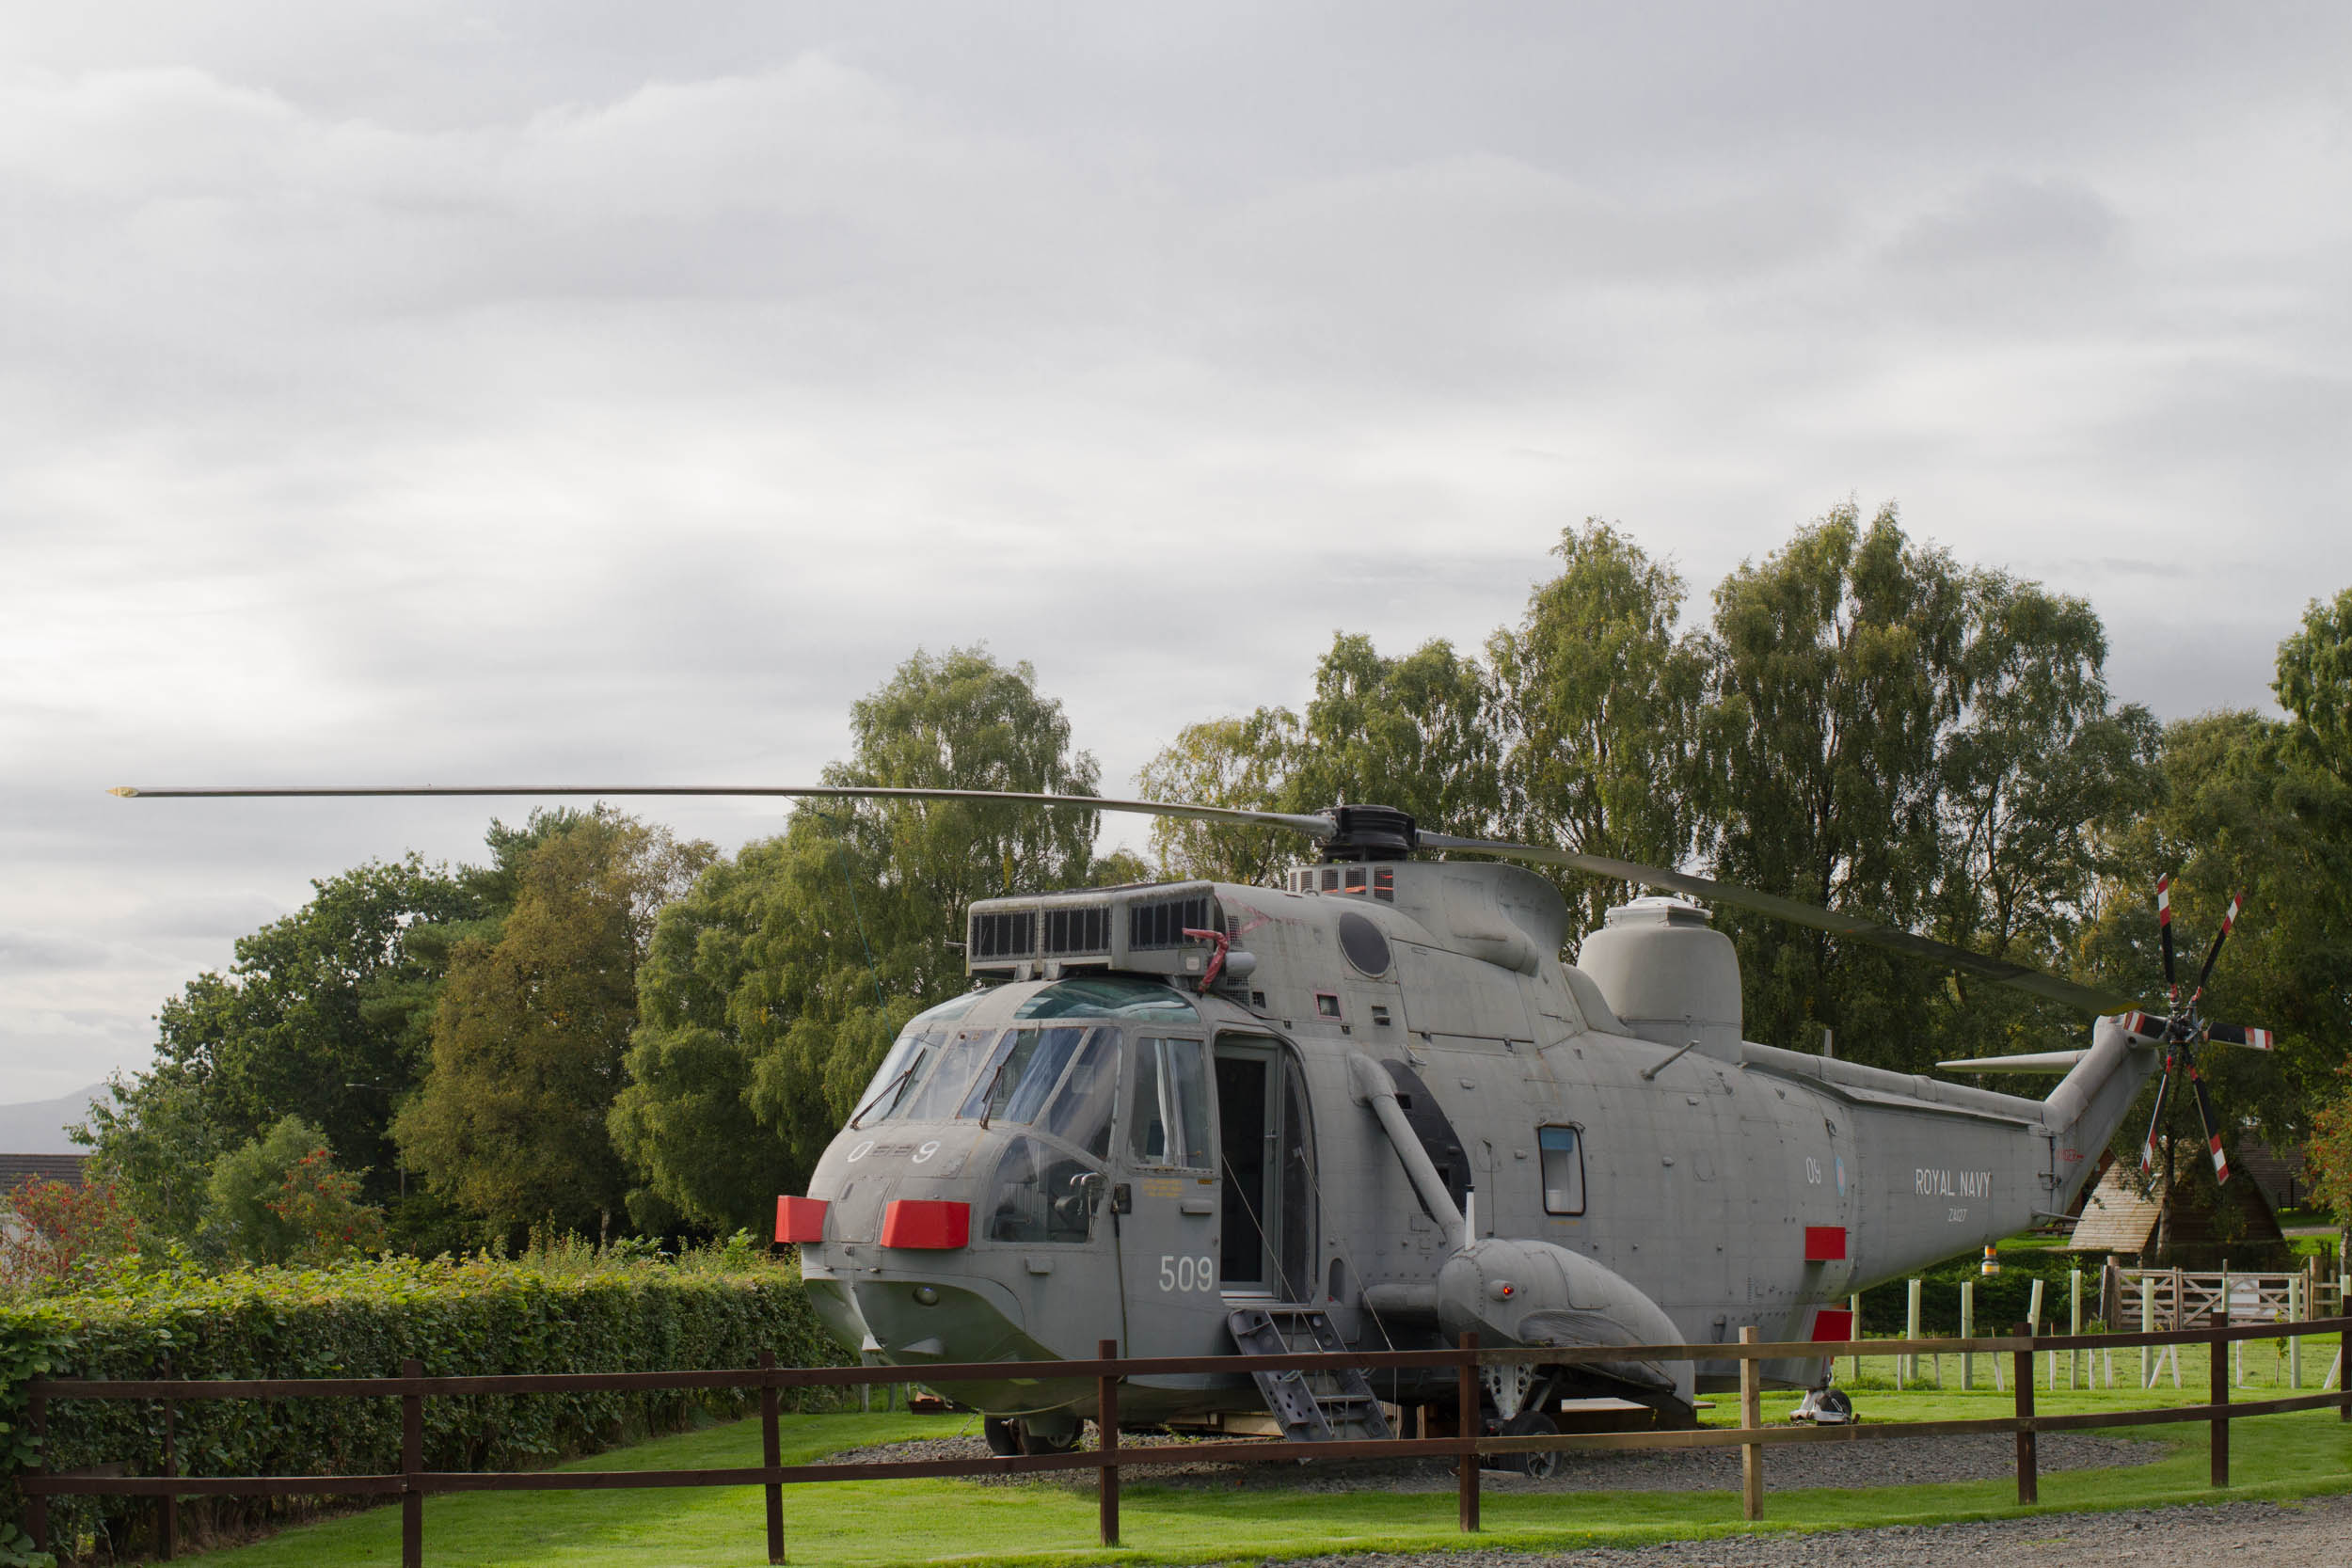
x,y
1542,1465
1007,1435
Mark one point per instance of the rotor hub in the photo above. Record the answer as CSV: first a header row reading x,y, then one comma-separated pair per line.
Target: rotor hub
x,y
1369,833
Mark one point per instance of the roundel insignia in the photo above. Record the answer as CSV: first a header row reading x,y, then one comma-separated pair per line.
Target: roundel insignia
x,y
1841,1176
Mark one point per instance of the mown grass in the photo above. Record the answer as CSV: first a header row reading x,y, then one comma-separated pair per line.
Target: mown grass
x,y
948,1521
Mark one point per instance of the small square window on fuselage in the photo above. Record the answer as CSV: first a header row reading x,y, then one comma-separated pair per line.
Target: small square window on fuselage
x,y
1563,1150
1326,1004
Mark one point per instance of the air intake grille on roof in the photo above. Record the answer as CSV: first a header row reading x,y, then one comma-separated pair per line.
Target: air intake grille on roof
x,y
1164,924
1077,931
1004,934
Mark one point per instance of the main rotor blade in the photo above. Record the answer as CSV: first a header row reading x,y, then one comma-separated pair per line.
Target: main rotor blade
x,y
2164,930
2204,1118
2237,902
1861,927
1313,827
2233,1033
2155,1122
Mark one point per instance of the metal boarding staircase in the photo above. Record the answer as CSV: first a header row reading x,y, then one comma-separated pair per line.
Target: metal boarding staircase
x,y
1318,1406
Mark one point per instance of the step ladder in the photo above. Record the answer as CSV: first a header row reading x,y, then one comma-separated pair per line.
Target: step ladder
x,y
1324,1405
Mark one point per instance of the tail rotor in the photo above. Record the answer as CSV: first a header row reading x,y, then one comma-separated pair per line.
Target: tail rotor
x,y
2185,1029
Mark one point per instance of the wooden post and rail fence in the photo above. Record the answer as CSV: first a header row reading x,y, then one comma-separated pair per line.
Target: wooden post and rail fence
x,y
1467,1445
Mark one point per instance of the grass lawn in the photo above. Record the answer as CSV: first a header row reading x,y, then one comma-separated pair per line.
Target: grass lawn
x,y
935,1521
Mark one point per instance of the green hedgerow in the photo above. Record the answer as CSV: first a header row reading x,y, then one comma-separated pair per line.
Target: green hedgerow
x,y
475,1316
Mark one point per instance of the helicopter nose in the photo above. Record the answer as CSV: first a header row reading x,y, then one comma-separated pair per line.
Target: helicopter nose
x,y
915,1321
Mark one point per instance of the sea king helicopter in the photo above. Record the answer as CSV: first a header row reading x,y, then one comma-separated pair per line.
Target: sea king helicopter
x,y
1371,1108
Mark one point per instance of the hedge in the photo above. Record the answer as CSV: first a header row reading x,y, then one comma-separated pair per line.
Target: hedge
x,y
472,1317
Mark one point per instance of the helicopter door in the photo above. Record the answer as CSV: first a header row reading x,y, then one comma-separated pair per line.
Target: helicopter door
x,y
1267,1155
1164,1200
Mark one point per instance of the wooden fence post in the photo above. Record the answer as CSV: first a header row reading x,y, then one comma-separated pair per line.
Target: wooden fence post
x,y
1751,1419
2344,1374
2074,1325
771,1455
1853,1304
1106,1422
2028,1481
1911,1326
411,1464
1967,1331
168,1506
2298,1308
1467,1425
2221,1396
36,1506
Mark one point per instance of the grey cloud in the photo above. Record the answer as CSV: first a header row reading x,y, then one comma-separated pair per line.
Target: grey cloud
x,y
431,392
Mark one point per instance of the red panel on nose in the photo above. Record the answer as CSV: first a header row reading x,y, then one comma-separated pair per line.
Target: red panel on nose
x,y
1824,1243
1833,1324
937,1224
799,1219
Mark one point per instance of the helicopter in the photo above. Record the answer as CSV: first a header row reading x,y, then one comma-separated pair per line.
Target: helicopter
x,y
1371,1108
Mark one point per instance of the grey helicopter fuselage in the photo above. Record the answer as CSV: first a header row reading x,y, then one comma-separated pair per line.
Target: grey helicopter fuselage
x,y
1377,1093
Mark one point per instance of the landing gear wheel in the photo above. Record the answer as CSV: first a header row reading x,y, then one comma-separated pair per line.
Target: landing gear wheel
x,y
1008,1436
1058,1432
1542,1465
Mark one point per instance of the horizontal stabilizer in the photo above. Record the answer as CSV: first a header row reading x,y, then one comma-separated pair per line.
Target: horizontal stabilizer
x,y
2058,1064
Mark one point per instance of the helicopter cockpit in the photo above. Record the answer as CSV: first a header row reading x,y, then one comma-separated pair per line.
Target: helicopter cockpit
x,y
1024,1118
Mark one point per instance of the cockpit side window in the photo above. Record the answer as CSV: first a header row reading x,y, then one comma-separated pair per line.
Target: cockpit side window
x,y
1039,1195
1563,1151
1167,1107
1081,1111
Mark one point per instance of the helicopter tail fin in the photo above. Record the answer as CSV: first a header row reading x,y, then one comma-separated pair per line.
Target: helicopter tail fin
x,y
2090,1103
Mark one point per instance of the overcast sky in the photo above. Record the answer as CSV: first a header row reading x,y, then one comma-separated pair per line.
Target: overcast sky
x,y
428,392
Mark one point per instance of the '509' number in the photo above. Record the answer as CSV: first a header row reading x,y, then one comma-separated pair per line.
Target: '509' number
x,y
1186,1274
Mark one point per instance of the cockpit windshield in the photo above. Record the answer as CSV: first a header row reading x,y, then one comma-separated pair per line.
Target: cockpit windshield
x,y
1055,1070
903,1065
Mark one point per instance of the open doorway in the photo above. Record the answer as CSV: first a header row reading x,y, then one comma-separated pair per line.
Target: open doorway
x,y
1265,1147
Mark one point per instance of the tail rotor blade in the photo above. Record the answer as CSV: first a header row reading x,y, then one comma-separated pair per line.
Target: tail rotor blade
x,y
2237,902
2164,933
2204,1118
2232,1034
2155,1122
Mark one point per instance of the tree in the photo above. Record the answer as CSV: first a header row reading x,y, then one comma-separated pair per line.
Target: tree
x,y
1900,735
772,988
1241,762
2315,681
1596,702
2307,775
281,1198
1836,667
1413,732
316,1018
530,1030
48,1229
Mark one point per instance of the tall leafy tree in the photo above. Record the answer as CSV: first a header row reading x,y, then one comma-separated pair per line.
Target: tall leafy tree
x,y
1243,762
317,1017
1837,665
774,987
1596,704
2308,775
1414,733
530,1031
1897,735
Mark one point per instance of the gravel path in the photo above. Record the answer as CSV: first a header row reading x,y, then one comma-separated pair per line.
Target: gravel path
x,y
1962,1456
2316,1533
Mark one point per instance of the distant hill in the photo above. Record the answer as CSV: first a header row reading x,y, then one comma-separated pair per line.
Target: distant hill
x,y
37,1126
